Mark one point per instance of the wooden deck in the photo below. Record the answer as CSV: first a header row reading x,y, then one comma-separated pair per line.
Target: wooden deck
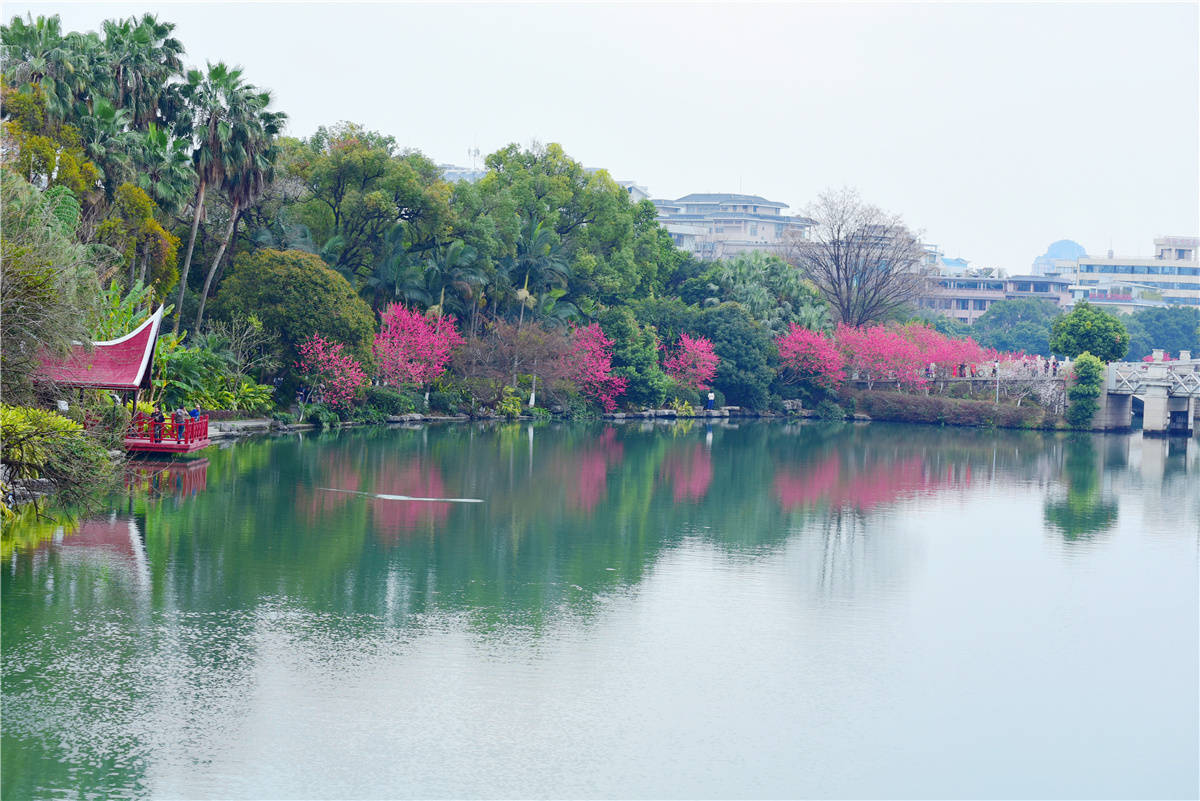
x,y
144,436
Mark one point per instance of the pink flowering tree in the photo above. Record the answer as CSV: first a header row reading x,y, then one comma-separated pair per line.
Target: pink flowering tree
x,y
329,371
811,356
946,353
410,349
589,365
878,353
693,364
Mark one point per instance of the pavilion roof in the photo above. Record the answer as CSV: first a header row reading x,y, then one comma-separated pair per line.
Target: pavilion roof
x,y
118,364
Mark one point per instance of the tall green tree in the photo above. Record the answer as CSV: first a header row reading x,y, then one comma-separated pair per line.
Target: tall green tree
x,y
143,57
165,169
1087,328
246,179
1173,329
222,129
360,187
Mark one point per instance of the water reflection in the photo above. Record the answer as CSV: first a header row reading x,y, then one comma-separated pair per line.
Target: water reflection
x,y
242,575
1085,512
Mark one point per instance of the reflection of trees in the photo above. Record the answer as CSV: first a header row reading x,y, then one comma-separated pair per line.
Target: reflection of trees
x,y
413,478
571,512
690,472
1084,513
862,484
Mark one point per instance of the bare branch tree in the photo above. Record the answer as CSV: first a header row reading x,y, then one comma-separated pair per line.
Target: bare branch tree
x,y
864,261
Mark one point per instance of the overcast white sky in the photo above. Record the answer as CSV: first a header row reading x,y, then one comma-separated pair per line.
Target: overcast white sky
x,y
994,129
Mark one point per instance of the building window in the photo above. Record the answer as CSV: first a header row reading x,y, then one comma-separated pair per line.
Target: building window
x,y
962,304
979,305
753,230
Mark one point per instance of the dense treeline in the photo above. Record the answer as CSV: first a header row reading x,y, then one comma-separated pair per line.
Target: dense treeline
x,y
313,269
187,194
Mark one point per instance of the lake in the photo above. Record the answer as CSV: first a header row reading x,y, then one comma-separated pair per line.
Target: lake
x,y
631,610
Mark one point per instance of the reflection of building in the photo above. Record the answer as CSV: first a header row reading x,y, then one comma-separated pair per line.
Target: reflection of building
x,y
178,478
718,225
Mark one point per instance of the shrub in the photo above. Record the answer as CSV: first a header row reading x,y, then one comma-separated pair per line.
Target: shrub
x,y
1085,389
321,415
510,404
35,443
390,401
908,408
828,410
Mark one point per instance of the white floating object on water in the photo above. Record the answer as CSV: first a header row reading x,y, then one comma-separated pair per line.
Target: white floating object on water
x,y
404,497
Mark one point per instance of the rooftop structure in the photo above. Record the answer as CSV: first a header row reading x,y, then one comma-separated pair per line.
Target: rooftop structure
x,y
716,225
124,365
121,364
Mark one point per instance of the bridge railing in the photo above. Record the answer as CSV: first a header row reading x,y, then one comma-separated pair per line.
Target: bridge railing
x,y
1128,378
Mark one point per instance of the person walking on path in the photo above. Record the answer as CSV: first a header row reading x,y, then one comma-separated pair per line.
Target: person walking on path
x,y
711,400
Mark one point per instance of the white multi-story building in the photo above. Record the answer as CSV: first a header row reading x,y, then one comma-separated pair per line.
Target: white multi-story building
x,y
714,226
1120,283
1171,278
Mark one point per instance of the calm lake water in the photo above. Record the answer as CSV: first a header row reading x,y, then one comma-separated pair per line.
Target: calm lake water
x,y
763,610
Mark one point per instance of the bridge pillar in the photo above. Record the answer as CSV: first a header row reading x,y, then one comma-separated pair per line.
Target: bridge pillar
x,y
1156,416
1181,415
1115,413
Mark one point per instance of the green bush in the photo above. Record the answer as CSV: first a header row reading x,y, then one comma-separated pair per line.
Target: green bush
x,y
1085,389
322,415
509,405
905,408
36,443
828,410
685,394
391,401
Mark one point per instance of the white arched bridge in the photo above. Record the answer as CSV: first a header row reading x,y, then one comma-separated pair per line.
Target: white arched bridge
x,y
1169,392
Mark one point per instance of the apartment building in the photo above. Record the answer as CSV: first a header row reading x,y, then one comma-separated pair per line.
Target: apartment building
x,y
715,226
1171,278
965,298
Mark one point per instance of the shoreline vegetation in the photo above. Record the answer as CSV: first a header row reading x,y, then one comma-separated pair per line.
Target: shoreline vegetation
x,y
341,278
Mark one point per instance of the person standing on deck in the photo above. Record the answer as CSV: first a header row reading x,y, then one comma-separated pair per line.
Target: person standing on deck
x,y
178,418
156,424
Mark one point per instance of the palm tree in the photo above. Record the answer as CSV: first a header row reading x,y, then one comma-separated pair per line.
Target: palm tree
x,y
245,181
37,54
216,101
108,143
452,267
165,169
143,57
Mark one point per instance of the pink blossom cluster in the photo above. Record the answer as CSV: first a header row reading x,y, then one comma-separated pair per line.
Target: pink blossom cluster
x,y
694,363
589,364
877,352
410,349
812,356
326,366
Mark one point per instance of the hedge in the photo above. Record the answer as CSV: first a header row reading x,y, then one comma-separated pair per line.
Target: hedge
x,y
904,408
